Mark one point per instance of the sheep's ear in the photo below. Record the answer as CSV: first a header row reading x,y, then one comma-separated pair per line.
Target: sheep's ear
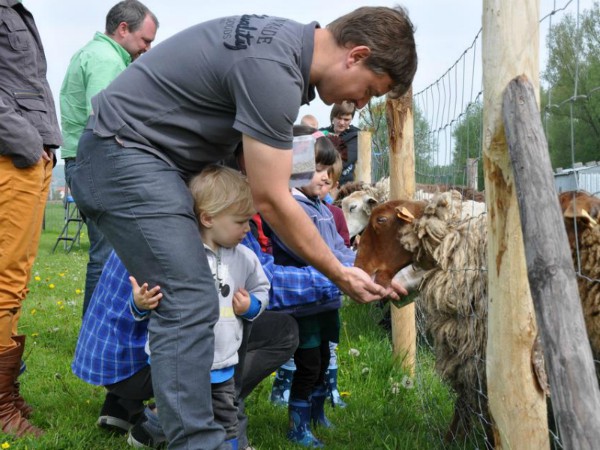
x,y
405,214
581,213
370,203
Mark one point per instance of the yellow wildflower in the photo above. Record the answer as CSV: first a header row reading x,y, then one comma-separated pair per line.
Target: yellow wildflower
x,y
5,445
36,278
51,286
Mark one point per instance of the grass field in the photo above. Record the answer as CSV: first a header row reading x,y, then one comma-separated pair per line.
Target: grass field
x,y
386,409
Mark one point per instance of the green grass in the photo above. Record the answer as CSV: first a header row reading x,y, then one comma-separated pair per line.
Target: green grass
x,y
381,412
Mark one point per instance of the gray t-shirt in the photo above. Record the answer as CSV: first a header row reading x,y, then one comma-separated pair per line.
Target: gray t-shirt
x,y
191,98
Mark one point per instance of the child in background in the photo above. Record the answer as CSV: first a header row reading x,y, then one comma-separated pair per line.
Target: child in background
x,y
318,323
334,173
280,391
331,185
223,206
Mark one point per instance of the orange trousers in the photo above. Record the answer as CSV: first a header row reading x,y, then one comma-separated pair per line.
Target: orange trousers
x,y
23,195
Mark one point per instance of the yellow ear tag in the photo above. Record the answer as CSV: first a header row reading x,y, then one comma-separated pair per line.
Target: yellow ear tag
x,y
405,214
591,222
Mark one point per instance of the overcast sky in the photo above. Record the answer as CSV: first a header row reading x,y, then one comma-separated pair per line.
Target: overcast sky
x,y
444,28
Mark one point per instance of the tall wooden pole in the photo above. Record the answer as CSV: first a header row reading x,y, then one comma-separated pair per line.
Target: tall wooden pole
x,y
402,185
518,409
573,382
363,162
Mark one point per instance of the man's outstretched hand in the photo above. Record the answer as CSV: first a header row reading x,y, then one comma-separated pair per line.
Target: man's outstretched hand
x,y
362,289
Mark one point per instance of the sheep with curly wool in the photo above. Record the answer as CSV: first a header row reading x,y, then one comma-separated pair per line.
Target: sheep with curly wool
x,y
453,293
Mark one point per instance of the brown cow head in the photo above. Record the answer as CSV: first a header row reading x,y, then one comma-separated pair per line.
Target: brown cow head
x,y
380,253
581,211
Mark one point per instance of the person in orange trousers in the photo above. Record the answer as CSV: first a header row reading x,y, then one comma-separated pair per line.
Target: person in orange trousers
x,y
28,134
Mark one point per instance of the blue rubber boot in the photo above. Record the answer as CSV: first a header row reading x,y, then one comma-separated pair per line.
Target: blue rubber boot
x,y
233,444
299,431
317,411
280,393
331,376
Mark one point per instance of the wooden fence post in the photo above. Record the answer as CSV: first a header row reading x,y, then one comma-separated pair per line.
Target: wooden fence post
x,y
400,121
363,162
472,174
571,372
518,409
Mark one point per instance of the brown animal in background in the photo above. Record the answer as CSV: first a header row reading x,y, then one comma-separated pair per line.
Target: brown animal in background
x,y
581,213
581,206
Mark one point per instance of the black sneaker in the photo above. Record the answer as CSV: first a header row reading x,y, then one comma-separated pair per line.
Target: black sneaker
x,y
113,417
146,433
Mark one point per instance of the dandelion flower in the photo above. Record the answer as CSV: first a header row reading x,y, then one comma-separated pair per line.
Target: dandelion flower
x,y
345,394
36,278
365,370
51,286
61,274
353,352
34,335
59,302
33,311
407,382
78,291
5,445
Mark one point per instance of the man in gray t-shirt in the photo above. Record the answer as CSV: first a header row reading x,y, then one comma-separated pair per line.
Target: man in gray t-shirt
x,y
190,102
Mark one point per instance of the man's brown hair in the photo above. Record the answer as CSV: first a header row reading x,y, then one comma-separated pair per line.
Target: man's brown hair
x,y
389,34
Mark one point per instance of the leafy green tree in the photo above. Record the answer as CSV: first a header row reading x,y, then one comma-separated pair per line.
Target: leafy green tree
x,y
571,97
373,119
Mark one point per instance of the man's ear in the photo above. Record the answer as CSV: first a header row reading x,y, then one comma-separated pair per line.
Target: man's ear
x,y
357,54
206,220
122,29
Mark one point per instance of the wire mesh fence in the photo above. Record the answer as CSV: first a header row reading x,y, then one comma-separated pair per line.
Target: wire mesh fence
x,y
449,141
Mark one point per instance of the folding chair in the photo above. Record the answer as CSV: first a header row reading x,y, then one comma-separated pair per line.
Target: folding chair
x,y
71,231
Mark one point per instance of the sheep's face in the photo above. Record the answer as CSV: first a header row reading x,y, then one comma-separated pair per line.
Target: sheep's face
x,y
380,253
357,208
580,207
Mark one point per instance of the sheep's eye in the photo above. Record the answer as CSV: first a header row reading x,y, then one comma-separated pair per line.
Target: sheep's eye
x,y
352,208
382,219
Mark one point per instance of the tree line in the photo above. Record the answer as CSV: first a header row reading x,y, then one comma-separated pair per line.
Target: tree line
x,y
570,111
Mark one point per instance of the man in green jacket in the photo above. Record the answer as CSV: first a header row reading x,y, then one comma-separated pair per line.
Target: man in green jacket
x,y
130,30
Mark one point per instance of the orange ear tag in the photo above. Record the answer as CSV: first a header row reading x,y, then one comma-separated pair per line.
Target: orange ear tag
x,y
405,214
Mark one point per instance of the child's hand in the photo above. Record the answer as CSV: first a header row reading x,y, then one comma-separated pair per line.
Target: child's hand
x,y
143,297
241,301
